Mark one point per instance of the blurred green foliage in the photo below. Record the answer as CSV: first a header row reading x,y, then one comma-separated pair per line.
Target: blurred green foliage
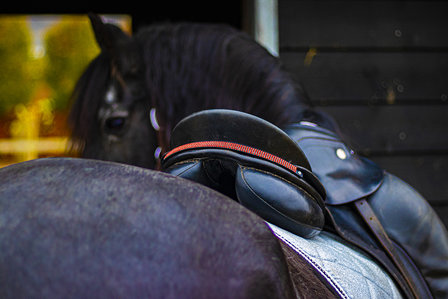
x,y
69,46
16,79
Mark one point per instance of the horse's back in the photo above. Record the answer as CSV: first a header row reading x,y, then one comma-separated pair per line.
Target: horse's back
x,y
84,228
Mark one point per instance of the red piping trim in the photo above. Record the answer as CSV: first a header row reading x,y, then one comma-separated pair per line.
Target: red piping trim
x,y
235,147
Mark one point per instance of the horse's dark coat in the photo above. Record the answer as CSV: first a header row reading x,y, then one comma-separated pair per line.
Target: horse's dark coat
x,y
75,228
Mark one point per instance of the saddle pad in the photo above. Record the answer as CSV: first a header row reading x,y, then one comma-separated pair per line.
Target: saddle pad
x,y
351,273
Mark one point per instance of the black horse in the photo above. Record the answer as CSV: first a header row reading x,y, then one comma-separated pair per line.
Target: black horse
x,y
168,72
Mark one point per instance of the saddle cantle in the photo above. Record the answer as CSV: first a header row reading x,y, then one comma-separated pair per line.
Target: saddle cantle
x,y
252,161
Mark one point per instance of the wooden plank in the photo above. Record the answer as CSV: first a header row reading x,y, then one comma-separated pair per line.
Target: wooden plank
x,y
379,67
394,129
427,174
338,78
442,211
361,24
45,145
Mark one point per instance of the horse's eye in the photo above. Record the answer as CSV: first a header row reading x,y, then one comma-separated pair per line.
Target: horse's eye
x,y
115,123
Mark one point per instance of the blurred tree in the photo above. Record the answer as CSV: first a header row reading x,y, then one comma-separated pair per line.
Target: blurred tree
x,y
70,46
16,78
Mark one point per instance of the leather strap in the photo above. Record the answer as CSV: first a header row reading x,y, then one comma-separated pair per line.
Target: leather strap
x,y
375,226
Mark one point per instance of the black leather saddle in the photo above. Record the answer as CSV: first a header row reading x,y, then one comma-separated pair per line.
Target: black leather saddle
x,y
251,161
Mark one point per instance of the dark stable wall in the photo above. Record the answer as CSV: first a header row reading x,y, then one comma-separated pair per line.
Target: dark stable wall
x,y
381,69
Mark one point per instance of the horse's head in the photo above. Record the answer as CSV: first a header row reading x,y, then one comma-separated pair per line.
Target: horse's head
x,y
111,113
178,69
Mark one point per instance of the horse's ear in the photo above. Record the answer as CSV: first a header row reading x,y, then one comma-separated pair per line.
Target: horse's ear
x,y
107,35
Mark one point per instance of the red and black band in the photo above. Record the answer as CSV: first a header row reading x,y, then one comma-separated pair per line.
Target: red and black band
x,y
234,147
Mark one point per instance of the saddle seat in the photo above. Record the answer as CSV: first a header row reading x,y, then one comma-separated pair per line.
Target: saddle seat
x,y
251,161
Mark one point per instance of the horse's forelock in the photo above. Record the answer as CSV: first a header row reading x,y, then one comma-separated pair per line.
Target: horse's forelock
x,y
86,100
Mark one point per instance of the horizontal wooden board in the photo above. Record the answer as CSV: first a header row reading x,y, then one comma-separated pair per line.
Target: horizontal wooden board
x,y
371,77
379,68
363,24
427,174
394,129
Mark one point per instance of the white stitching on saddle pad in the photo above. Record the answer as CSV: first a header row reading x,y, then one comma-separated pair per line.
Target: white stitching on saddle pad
x,y
351,273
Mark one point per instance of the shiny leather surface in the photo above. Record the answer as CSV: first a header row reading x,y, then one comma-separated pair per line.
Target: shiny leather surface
x,y
410,222
297,211
298,208
345,180
226,161
237,127
253,181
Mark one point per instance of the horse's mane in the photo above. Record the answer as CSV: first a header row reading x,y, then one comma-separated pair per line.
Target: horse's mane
x,y
193,67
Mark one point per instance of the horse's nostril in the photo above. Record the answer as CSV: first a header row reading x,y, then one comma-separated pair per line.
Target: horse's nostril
x,y
115,123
